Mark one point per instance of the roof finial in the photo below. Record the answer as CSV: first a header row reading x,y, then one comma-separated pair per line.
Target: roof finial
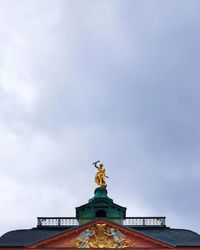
x,y
100,175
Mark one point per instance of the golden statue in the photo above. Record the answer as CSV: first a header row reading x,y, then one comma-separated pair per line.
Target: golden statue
x,y
100,175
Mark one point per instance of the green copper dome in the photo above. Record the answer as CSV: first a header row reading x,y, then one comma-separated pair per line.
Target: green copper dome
x,y
100,206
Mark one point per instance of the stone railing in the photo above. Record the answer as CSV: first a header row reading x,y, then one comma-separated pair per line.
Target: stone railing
x,y
145,221
57,221
128,221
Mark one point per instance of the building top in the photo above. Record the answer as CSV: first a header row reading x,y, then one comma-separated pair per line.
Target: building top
x,y
100,206
100,223
173,237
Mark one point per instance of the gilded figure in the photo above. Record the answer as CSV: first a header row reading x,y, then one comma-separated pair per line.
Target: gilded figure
x,y
100,175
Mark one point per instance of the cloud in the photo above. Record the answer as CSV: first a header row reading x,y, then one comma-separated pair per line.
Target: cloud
x,y
109,80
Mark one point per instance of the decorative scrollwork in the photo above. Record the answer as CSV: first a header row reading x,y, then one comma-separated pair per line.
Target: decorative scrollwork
x,y
101,236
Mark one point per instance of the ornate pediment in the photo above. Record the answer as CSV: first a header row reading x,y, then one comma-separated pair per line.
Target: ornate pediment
x,y
100,233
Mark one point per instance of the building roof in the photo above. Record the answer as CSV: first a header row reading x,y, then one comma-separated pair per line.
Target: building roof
x,y
174,237
24,237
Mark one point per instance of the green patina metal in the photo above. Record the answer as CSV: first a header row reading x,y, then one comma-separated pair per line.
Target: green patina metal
x,y
100,206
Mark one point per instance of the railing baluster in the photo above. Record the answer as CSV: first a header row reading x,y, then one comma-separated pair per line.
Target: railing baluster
x,y
128,221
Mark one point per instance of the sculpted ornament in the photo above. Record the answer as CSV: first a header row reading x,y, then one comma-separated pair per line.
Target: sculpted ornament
x,y
101,236
100,175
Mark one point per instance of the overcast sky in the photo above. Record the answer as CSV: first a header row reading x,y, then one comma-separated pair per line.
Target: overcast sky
x,y
116,81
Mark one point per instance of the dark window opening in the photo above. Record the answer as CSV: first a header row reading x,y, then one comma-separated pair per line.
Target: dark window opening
x,y
101,214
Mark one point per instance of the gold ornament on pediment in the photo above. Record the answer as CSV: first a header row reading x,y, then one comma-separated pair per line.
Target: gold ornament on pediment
x,y
101,236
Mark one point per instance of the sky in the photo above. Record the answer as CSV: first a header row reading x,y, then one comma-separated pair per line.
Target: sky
x,y
109,80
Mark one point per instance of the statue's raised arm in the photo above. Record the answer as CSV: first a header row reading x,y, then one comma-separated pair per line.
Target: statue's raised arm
x,y
100,175
95,164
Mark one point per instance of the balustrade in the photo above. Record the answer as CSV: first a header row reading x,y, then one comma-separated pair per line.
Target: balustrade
x,y
128,221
